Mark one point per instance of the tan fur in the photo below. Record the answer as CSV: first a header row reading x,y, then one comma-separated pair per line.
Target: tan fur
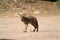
x,y
25,29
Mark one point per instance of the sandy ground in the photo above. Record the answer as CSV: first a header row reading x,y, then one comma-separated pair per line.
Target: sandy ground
x,y
12,28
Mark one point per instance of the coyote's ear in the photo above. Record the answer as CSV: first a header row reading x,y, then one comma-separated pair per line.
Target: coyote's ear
x,y
21,14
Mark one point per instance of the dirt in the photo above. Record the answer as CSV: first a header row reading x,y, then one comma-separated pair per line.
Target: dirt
x,y
12,28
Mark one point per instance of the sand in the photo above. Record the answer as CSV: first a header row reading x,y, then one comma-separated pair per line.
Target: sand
x,y
12,28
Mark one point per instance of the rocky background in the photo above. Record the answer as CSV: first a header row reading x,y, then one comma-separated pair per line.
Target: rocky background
x,y
11,8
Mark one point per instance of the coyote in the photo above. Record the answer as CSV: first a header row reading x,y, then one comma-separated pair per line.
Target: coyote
x,y
30,20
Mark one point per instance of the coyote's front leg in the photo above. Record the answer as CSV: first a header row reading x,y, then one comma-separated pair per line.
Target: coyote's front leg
x,y
26,26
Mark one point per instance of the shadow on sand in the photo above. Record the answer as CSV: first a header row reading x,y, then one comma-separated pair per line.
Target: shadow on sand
x,y
6,39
